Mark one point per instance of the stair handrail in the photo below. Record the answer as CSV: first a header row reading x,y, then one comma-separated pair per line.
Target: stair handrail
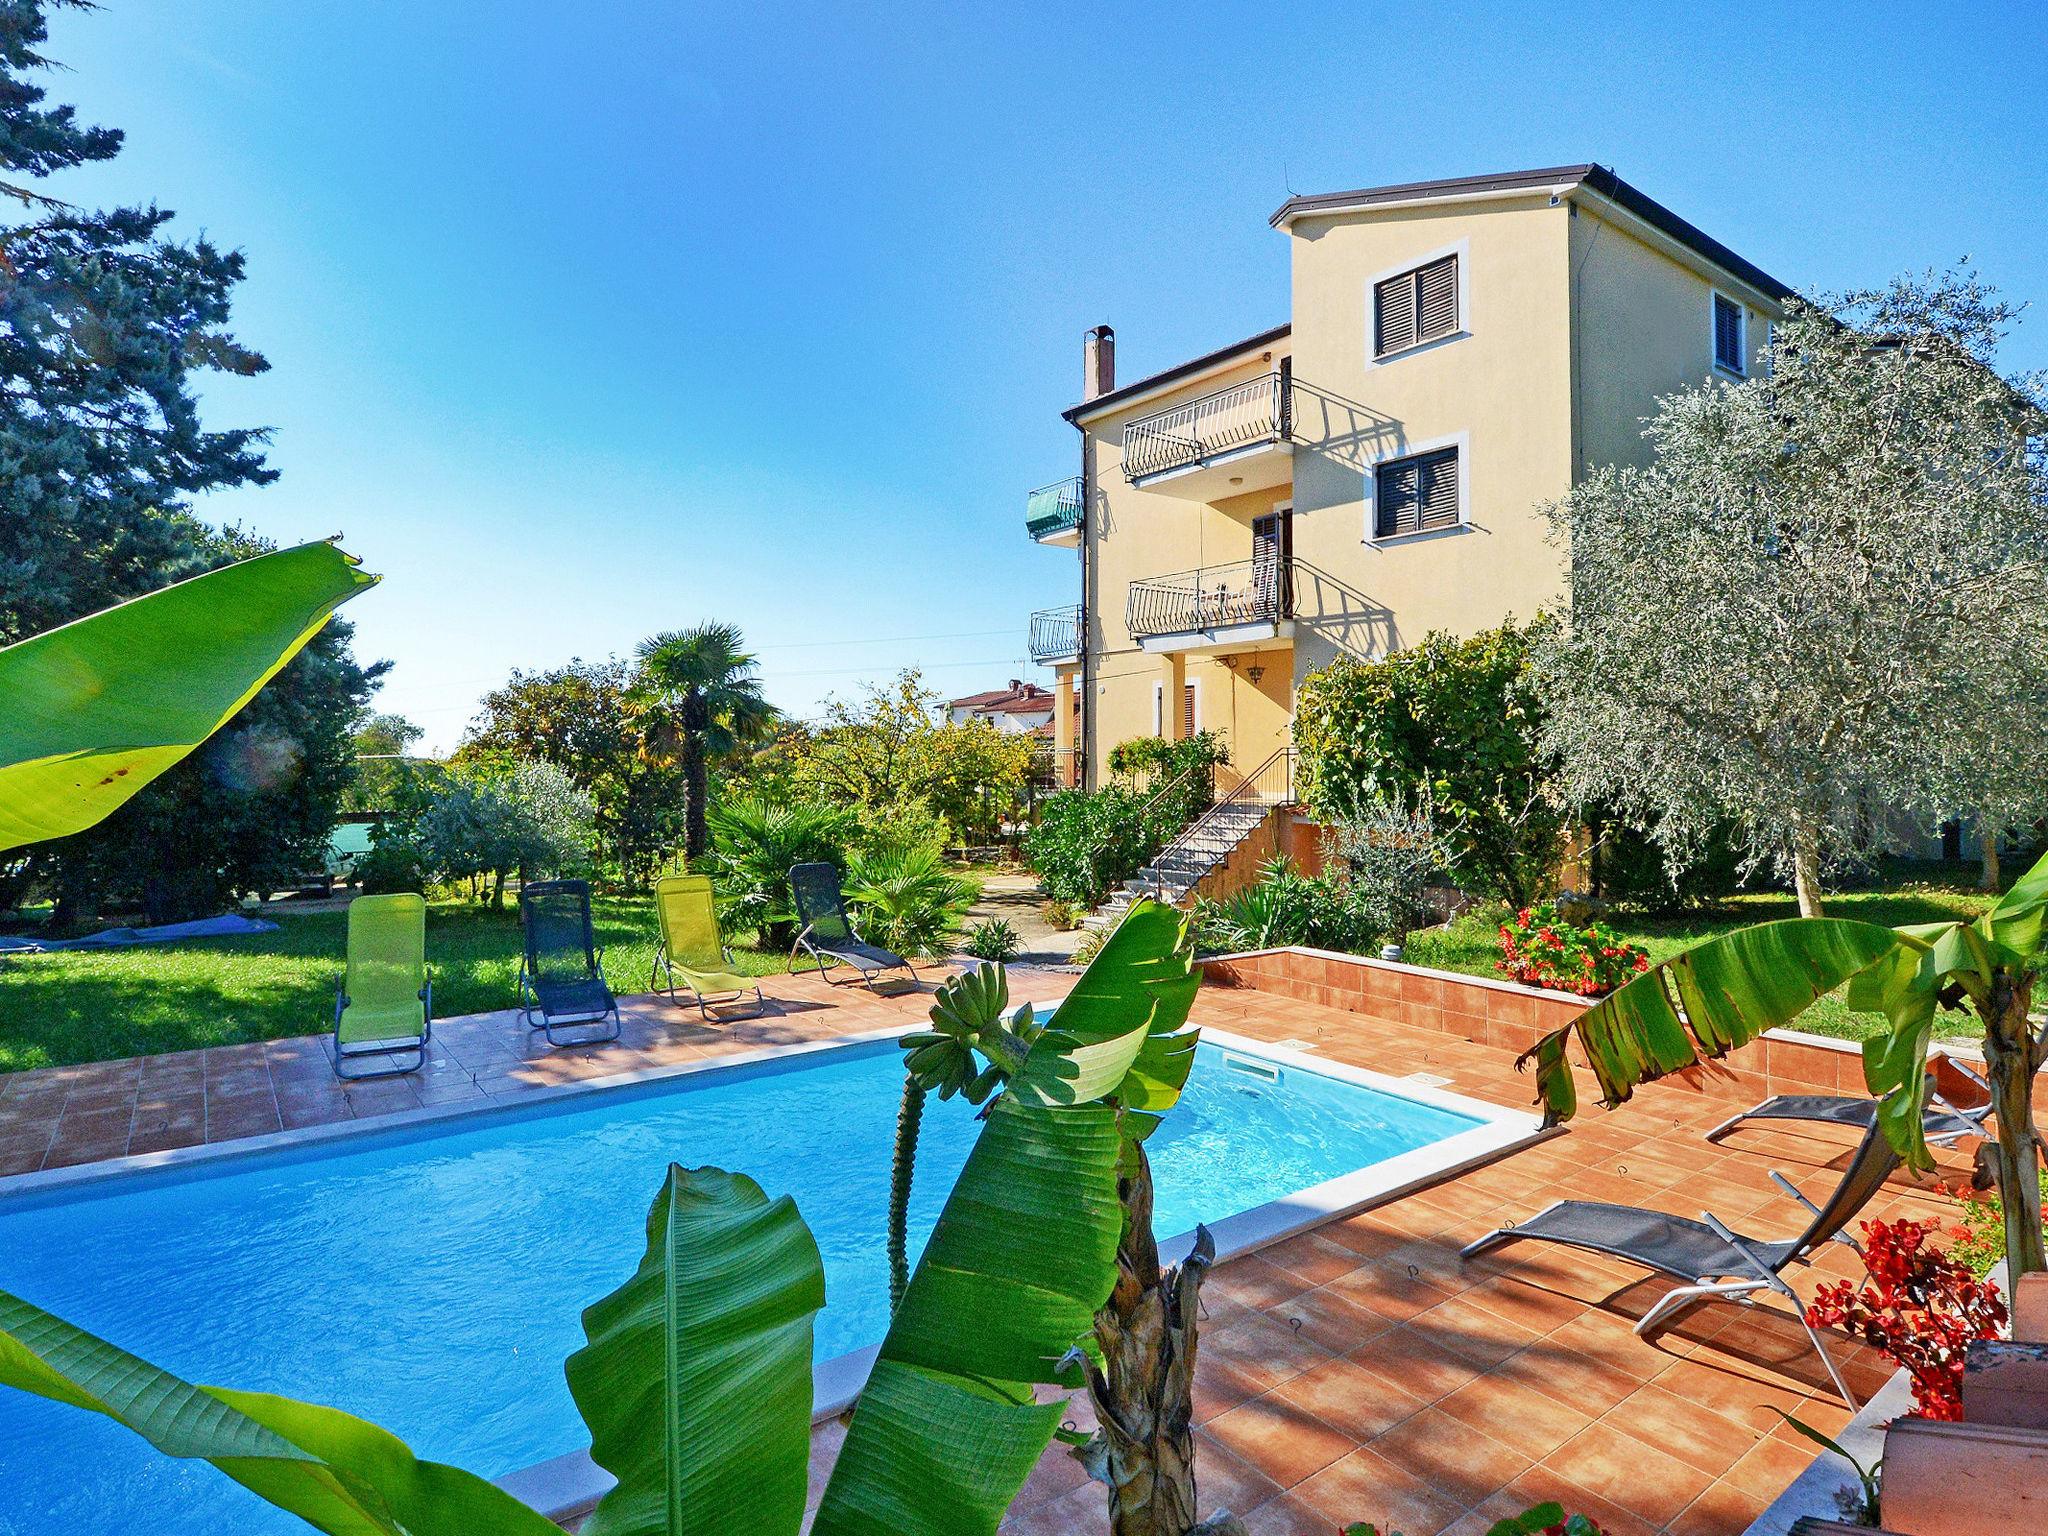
x,y
1236,796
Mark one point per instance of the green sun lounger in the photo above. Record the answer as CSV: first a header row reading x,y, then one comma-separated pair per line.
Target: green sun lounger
x,y
384,1007
693,954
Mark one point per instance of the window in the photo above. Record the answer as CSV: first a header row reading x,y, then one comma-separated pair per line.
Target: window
x,y
1415,307
1729,327
1188,712
1416,495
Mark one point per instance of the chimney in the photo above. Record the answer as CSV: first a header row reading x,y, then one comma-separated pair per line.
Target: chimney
x,y
1098,362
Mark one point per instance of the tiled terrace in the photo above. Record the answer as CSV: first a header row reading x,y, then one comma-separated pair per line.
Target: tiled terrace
x,y
1356,1372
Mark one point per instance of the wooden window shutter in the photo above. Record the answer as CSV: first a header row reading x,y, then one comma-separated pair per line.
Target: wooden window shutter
x,y
1187,710
1437,496
1417,495
1436,302
1393,304
1728,334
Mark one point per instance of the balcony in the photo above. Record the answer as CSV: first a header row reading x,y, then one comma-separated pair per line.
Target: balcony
x,y
1218,608
1222,445
1056,635
1052,513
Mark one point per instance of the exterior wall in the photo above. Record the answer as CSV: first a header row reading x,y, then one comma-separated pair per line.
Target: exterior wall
x,y
1642,327
1500,388
1133,534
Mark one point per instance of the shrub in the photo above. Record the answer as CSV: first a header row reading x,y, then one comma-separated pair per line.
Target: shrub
x,y
906,899
1390,856
1083,845
913,824
1539,947
393,864
1920,1306
1059,916
753,844
993,940
1283,906
1456,721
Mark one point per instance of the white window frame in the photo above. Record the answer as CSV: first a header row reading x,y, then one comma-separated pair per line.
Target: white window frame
x,y
1194,686
1741,334
1460,249
1462,441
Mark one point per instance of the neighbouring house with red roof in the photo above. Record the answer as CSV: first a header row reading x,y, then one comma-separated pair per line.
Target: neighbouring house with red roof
x,y
1022,709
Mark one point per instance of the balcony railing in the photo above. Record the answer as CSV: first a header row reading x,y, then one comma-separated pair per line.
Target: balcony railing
x,y
1056,633
1255,591
1256,411
1054,508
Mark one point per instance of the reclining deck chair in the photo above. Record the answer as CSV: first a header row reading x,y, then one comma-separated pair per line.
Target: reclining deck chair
x,y
1709,1260
561,975
1943,1123
693,952
385,1003
828,933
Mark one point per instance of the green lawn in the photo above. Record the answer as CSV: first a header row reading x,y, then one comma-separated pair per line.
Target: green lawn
x,y
94,1005
1472,943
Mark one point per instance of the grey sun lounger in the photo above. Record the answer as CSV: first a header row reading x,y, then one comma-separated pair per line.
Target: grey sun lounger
x,y
828,934
1709,1259
562,990
1943,1123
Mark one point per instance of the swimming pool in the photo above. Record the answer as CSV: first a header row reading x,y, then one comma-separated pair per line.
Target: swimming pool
x,y
430,1276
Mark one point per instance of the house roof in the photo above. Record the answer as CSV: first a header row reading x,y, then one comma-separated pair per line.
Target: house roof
x,y
1178,371
1595,178
1018,698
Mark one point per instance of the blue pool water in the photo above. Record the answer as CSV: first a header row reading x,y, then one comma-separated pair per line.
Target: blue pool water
x,y
432,1281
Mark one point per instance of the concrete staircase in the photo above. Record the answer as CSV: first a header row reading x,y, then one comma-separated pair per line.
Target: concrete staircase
x,y
1172,877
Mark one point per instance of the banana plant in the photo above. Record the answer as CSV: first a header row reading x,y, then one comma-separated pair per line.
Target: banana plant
x,y
1725,992
95,709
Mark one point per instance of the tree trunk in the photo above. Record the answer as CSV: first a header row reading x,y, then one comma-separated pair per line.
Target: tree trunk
x,y
1987,843
1145,1450
1806,870
696,831
2013,1057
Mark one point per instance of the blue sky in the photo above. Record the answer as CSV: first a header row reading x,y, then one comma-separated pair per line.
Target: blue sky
x,y
589,321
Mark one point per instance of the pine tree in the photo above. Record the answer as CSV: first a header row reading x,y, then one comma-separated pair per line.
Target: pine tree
x,y
104,321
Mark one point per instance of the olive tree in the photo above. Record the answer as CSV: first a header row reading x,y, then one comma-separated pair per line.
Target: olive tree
x,y
1824,601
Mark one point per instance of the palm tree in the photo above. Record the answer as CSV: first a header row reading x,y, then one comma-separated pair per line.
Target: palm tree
x,y
700,699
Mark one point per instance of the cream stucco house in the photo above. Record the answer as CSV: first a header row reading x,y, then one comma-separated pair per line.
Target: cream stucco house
x,y
1458,352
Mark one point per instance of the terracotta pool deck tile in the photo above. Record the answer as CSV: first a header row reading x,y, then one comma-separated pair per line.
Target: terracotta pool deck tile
x,y
1453,1457
1413,1361
1263,1351
1526,1421
1365,1485
1284,1440
1607,1461
1225,1480
1351,1399
1312,1258
1472,1332
1284,1516
1258,1284
1328,1320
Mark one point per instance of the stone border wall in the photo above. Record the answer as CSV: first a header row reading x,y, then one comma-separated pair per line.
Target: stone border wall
x,y
1513,1017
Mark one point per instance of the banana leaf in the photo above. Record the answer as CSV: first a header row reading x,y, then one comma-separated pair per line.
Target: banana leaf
x,y
333,1471
1023,1254
696,1383
2014,923
1143,978
1702,1004
92,711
